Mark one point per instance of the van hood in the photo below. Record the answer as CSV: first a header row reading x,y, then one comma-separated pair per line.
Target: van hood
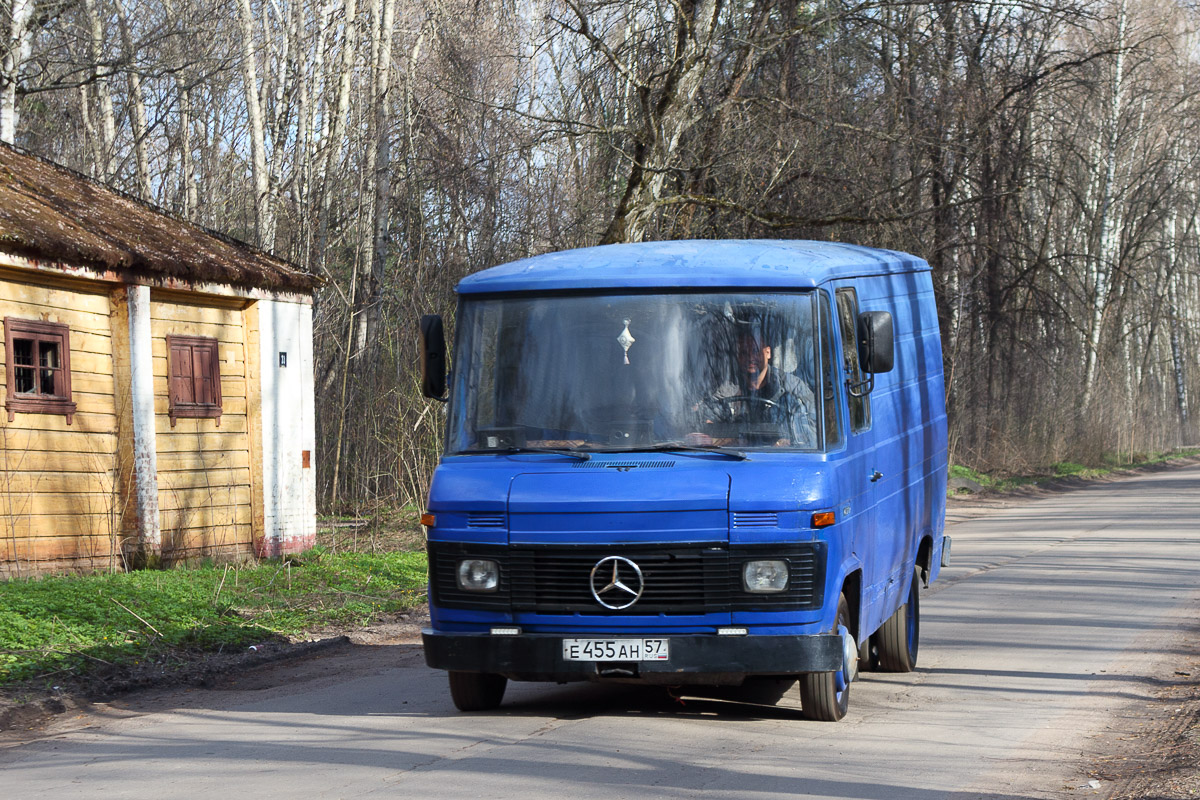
x,y
616,505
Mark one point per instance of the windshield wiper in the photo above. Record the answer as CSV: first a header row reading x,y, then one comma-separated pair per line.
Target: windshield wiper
x,y
670,446
582,456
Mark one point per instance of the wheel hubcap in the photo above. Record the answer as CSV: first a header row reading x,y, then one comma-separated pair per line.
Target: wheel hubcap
x,y
849,670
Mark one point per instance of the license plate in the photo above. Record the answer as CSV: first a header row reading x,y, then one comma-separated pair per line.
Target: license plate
x,y
616,649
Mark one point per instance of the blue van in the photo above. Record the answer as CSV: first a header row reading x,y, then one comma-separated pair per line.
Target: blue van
x,y
686,463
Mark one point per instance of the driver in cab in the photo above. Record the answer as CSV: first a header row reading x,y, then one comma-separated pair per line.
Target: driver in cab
x,y
762,395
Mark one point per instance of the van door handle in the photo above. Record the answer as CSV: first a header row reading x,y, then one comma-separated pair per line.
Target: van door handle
x,y
876,475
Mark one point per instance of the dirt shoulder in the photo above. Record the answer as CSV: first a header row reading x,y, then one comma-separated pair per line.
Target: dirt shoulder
x,y
966,505
1157,756
25,711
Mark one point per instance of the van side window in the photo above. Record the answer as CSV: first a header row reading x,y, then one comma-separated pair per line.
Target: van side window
x,y
860,407
830,389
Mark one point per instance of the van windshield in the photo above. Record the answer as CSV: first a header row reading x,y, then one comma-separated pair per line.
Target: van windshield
x,y
635,372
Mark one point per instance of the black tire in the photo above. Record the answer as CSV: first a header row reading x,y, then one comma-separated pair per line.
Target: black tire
x,y
868,655
477,691
898,640
825,696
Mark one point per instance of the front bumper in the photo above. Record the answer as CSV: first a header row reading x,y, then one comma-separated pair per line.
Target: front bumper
x,y
694,659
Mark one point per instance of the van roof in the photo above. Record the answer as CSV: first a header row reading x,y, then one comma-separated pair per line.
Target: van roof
x,y
759,264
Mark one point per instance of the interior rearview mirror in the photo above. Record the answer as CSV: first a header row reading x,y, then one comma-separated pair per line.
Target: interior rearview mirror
x,y
433,357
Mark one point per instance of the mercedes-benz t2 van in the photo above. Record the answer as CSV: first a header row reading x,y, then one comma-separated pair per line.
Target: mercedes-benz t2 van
x,y
686,463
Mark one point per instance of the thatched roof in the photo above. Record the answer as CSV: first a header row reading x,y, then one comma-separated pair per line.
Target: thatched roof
x,y
52,213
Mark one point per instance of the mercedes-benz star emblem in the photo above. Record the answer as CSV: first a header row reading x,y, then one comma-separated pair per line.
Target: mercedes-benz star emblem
x,y
616,582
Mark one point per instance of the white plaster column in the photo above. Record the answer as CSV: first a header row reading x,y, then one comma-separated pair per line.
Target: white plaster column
x,y
141,383
288,427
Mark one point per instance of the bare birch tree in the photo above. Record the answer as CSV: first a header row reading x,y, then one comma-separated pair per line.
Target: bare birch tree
x,y
264,219
18,47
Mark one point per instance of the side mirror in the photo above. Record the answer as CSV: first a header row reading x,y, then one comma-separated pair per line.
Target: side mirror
x,y
433,357
876,342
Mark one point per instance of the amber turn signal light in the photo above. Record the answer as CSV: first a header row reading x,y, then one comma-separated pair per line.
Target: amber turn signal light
x,y
428,520
823,519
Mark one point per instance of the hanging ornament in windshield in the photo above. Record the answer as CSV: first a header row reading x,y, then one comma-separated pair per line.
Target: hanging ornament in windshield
x,y
626,340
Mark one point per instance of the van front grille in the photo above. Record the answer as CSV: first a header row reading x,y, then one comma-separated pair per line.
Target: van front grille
x,y
676,580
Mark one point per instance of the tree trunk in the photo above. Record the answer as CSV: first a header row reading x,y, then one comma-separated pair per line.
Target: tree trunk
x,y
17,50
333,144
264,221
382,175
1104,260
141,131
108,120
187,164
1175,320
668,112
137,100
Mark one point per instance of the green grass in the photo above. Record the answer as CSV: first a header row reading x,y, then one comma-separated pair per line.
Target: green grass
x,y
983,479
1069,469
1111,462
79,624
997,483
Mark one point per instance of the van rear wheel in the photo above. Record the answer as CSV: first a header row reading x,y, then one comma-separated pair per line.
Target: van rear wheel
x,y
825,696
477,691
868,655
898,639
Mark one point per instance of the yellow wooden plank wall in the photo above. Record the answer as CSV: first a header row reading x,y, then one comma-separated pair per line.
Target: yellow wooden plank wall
x,y
204,494
59,493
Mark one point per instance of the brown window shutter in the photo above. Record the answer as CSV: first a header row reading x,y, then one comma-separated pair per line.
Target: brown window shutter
x,y
181,374
195,378
204,375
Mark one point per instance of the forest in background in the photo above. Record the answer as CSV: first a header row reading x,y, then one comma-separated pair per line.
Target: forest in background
x,y
1042,156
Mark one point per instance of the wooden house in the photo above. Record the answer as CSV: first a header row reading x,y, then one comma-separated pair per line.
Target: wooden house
x,y
156,381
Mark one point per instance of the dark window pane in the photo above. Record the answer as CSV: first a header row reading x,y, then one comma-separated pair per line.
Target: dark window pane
x,y
23,379
23,352
860,407
831,389
48,381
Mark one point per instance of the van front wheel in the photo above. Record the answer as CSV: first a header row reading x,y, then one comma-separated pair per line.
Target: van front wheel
x,y
477,691
825,696
897,641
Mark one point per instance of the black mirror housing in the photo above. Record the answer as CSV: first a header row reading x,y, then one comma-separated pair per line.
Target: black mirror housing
x,y
433,357
876,342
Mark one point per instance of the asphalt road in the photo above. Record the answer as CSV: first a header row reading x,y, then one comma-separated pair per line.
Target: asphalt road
x,y
1058,619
